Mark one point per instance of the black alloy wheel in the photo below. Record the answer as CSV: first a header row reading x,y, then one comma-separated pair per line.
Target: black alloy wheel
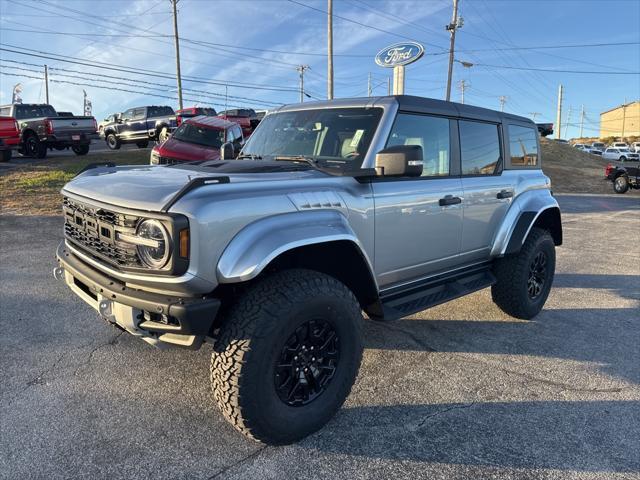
x,y
537,275
307,363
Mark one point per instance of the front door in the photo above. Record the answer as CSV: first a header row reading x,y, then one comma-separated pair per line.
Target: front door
x,y
487,192
418,221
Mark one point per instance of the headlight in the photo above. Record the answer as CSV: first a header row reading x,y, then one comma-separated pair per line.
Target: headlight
x,y
155,253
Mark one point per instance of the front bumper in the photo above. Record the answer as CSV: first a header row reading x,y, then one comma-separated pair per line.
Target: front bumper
x,y
158,319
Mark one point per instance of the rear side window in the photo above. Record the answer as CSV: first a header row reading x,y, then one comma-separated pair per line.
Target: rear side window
x,y
160,112
431,133
479,148
5,111
523,145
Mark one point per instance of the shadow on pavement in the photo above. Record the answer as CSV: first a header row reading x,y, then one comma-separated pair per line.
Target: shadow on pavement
x,y
585,436
597,204
605,337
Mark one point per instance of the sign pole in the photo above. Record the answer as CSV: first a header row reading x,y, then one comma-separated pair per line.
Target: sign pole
x,y
397,56
398,80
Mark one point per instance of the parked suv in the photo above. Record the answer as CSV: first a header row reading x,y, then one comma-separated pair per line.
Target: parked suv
x,y
140,125
620,154
41,128
386,205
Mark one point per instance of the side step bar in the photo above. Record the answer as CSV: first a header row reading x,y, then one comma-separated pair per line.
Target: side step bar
x,y
441,290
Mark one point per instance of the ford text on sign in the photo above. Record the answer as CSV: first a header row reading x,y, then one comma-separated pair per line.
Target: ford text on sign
x,y
399,54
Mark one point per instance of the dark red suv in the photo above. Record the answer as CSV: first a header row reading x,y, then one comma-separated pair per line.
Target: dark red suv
x,y
198,139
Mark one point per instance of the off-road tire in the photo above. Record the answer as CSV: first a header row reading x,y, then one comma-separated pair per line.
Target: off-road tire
x,y
510,292
6,155
80,150
252,339
621,184
144,144
34,148
113,142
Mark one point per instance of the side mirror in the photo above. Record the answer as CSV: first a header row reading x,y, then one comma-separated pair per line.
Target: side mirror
x,y
399,161
227,152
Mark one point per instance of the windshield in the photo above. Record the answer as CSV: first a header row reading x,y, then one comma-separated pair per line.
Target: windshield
x,y
199,135
340,136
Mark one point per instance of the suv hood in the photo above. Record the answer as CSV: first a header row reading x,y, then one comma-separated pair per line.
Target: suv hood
x,y
151,187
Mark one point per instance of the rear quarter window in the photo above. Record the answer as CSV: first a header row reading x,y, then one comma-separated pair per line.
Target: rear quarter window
x,y
523,146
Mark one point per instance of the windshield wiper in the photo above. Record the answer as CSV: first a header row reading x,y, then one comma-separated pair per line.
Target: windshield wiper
x,y
250,156
297,158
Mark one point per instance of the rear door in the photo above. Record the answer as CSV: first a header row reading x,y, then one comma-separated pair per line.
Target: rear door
x,y
416,234
487,192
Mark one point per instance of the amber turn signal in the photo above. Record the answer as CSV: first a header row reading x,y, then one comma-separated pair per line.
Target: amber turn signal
x,y
184,243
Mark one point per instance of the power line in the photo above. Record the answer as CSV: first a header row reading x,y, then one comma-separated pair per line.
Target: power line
x,y
589,72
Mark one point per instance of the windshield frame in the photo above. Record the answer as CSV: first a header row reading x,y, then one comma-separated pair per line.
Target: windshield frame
x,y
389,109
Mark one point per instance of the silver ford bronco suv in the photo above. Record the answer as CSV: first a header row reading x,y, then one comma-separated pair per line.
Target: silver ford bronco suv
x,y
385,205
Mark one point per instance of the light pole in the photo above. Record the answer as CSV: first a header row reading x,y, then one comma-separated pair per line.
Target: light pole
x,y
301,69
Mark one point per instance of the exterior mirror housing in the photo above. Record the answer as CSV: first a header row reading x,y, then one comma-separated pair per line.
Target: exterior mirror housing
x,y
227,152
399,161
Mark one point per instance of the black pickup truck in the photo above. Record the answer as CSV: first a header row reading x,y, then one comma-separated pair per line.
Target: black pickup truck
x,y
624,175
42,128
139,125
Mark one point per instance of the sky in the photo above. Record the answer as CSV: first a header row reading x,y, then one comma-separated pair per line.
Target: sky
x,y
501,38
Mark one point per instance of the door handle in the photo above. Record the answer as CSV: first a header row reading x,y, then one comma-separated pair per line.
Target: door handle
x,y
505,194
449,200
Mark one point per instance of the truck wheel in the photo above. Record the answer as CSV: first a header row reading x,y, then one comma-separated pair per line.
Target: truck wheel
x,y
34,148
623,158
621,184
6,155
144,144
163,135
80,149
524,279
113,142
287,355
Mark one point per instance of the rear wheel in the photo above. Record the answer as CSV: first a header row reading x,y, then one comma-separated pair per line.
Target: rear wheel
x,y
80,149
287,355
621,184
144,144
524,279
34,148
113,142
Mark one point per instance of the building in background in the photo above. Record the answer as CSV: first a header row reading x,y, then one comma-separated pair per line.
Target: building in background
x,y
622,121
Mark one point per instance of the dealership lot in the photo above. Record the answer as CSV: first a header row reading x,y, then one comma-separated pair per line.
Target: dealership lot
x,y
461,390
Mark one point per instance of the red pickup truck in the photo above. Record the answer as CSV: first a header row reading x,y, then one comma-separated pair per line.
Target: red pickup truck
x,y
9,137
247,118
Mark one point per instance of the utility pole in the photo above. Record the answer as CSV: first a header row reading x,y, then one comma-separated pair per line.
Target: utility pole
x,y
534,115
330,49
463,85
46,84
624,116
452,30
581,119
301,69
177,42
503,100
369,89
559,113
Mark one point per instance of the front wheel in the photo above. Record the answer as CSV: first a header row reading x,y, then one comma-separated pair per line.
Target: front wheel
x,y
113,142
621,184
524,279
623,158
80,149
34,148
287,355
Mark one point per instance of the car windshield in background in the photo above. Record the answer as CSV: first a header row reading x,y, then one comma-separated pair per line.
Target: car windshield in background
x,y
160,112
34,111
240,112
340,136
208,137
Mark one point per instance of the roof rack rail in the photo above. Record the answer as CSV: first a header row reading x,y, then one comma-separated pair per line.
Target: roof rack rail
x,y
192,185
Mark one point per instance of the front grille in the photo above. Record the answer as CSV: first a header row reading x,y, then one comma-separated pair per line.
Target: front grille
x,y
94,231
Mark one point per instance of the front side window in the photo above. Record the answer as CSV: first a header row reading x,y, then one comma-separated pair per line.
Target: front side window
x,y
431,133
339,136
479,148
128,115
524,146
199,135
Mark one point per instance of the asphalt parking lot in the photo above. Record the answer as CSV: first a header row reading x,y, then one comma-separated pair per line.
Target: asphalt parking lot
x,y
457,391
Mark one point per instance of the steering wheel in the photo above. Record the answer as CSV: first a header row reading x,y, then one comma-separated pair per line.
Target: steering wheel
x,y
352,155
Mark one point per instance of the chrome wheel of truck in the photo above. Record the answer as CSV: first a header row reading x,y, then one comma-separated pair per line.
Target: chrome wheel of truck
x,y
288,352
621,184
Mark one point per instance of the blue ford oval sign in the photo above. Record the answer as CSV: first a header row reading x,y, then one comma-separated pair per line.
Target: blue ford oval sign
x,y
399,54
